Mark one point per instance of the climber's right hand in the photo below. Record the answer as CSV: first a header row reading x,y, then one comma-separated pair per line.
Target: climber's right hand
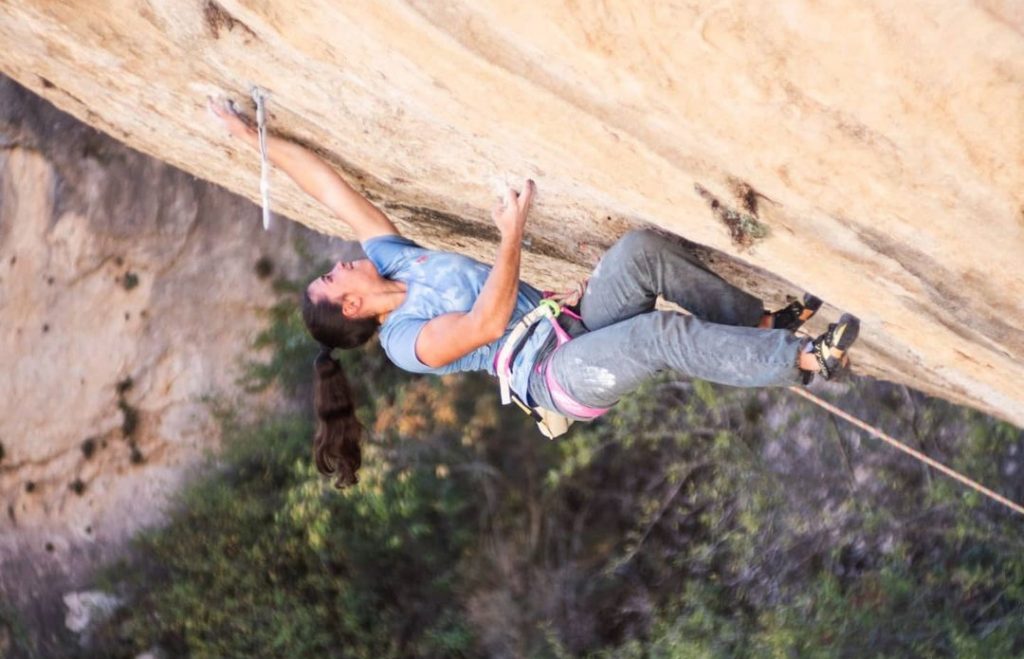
x,y
510,213
235,123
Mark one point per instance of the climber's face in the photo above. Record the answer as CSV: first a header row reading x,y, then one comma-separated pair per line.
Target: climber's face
x,y
347,284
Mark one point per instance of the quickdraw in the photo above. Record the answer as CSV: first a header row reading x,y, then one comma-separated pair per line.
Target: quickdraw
x,y
260,98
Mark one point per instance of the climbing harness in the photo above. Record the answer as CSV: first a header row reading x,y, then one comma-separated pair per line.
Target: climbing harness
x,y
551,423
906,449
260,97
516,338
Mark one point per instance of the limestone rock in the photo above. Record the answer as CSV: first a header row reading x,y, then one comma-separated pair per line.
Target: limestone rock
x,y
130,293
876,147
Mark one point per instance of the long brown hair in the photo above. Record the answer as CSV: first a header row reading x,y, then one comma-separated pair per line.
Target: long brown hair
x,y
336,449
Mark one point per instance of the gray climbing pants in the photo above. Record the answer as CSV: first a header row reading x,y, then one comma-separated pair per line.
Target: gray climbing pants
x,y
625,340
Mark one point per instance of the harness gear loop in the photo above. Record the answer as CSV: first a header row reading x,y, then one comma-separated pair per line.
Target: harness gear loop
x,y
260,97
506,354
551,423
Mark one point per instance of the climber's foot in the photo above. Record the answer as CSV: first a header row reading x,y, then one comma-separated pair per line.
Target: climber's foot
x,y
792,316
829,349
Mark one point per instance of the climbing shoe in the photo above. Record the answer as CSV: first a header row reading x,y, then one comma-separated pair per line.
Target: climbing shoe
x,y
796,313
830,348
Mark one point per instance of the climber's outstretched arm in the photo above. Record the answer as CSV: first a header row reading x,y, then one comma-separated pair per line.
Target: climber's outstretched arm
x,y
314,176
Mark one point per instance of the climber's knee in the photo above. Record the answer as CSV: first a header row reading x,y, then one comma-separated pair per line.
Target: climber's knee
x,y
638,242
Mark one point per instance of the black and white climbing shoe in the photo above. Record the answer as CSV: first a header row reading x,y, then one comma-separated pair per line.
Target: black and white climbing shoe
x,y
830,348
796,313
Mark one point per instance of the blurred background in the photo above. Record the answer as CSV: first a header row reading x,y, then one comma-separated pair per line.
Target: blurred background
x,y
160,499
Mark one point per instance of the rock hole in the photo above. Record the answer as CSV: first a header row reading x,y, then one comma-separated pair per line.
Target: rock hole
x,y
89,447
264,267
30,487
77,486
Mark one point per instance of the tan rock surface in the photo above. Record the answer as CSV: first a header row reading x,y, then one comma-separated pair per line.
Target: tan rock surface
x,y
881,144
130,293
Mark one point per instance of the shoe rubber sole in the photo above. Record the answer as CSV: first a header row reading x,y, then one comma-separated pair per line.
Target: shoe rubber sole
x,y
831,352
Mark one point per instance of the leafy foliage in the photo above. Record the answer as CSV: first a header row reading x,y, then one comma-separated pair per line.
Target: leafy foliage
x,y
13,636
264,559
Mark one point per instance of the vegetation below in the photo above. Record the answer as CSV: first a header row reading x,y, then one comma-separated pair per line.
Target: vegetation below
x,y
693,521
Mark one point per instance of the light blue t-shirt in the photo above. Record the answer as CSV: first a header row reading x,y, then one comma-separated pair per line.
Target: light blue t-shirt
x,y
440,283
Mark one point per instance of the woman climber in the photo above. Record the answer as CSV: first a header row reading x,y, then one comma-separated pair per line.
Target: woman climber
x,y
441,312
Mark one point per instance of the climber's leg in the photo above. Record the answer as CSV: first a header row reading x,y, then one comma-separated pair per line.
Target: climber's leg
x,y
644,264
599,367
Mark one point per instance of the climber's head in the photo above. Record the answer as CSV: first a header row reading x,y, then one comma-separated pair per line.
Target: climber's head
x,y
323,311
348,286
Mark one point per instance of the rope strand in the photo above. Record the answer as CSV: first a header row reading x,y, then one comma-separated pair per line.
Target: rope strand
x,y
260,97
906,449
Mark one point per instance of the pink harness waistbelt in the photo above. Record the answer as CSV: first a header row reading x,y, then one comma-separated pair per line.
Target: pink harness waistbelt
x,y
559,396
566,403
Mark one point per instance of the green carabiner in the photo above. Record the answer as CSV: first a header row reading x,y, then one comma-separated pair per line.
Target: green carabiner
x,y
551,304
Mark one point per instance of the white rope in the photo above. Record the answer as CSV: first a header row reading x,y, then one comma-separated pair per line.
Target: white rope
x,y
260,97
906,449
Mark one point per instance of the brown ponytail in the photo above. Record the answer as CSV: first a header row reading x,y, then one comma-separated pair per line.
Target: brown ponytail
x,y
338,433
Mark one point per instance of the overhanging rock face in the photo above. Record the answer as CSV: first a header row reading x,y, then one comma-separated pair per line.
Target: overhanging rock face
x,y
871,153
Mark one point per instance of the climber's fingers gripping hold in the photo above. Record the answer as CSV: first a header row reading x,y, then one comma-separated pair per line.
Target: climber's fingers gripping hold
x,y
510,214
526,198
235,123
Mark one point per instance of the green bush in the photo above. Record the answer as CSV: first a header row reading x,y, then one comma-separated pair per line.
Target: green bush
x,y
263,558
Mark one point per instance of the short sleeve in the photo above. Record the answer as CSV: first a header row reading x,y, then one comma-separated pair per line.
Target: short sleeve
x,y
399,341
390,253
